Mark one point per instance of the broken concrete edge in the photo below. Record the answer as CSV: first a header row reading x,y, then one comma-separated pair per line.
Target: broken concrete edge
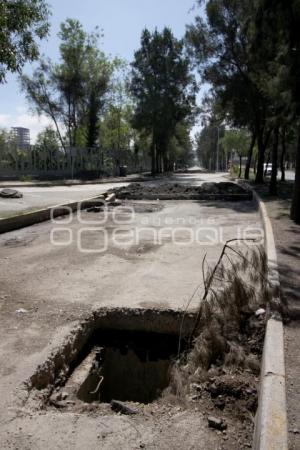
x,y
27,219
174,196
41,215
62,354
271,418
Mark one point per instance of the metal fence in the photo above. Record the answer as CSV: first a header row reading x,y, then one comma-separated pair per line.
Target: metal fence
x,y
38,162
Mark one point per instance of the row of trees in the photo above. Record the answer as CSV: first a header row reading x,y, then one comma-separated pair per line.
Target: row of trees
x,y
249,54
95,101
218,148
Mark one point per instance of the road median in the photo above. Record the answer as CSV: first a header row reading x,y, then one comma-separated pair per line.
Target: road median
x,y
33,217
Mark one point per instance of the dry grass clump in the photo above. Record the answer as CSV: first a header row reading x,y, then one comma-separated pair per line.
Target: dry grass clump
x,y
227,334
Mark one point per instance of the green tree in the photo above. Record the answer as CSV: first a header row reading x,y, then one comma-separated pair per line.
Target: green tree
x,y
220,45
163,89
99,72
236,141
180,148
48,138
277,27
9,152
116,135
209,150
22,22
72,92
48,145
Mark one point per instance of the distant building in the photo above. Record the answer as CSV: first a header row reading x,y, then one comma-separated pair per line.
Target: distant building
x,y
22,137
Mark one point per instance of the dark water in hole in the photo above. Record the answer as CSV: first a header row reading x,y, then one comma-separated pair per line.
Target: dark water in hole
x,y
134,366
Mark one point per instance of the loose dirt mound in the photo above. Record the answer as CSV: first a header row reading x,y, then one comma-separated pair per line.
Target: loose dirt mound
x,y
174,191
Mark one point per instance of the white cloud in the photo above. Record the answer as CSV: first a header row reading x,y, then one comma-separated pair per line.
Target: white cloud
x,y
4,120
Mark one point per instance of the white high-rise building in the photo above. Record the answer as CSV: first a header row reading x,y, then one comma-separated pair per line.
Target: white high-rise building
x,y
22,136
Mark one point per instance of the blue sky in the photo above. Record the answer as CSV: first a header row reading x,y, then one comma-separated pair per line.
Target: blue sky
x,y
122,22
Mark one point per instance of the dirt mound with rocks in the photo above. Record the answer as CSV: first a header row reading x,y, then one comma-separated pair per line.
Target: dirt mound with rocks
x,y
175,191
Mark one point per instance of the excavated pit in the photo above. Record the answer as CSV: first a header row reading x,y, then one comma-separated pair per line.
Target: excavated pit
x,y
123,365
119,354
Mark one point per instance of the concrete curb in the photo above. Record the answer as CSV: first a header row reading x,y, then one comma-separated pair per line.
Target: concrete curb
x,y
271,418
42,215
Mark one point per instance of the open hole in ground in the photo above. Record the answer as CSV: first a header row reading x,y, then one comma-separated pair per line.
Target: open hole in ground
x,y
114,354
123,365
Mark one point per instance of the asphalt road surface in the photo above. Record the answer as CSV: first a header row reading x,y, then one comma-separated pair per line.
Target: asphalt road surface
x,y
35,198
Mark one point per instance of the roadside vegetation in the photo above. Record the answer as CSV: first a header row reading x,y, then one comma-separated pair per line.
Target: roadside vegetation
x,y
221,366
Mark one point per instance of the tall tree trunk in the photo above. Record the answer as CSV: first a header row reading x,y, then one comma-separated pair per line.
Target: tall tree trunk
x,y
260,159
250,153
283,152
157,158
273,182
240,170
267,163
262,142
69,123
255,164
153,155
295,209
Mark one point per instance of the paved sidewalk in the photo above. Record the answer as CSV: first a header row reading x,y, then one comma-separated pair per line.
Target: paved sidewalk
x,y
287,238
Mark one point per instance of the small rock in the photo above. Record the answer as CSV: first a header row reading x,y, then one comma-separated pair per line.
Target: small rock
x,y
196,386
60,404
56,397
111,198
250,391
213,389
122,408
260,312
217,424
220,403
21,311
10,193
296,431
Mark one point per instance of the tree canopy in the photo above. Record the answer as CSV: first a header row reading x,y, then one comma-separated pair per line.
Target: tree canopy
x,y
248,52
72,92
22,24
163,89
